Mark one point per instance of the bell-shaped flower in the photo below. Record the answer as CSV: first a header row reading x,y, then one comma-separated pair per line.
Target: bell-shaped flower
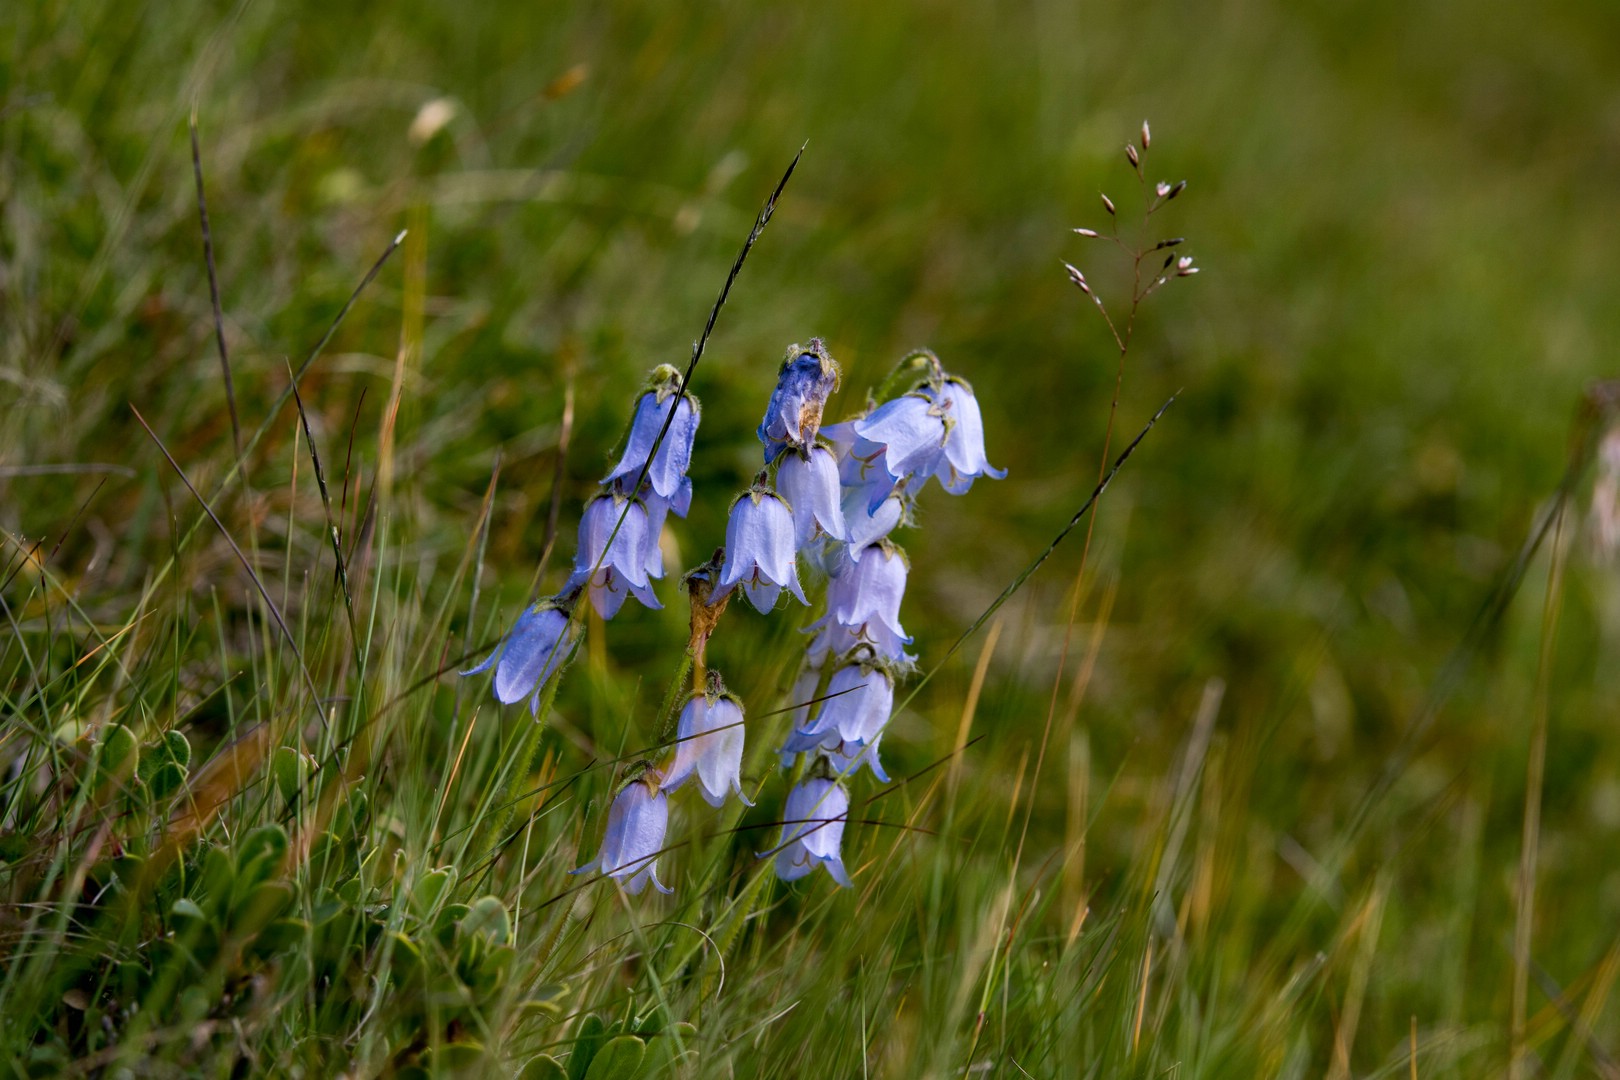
x,y
860,466
912,430
613,572
666,461
537,646
864,523
870,588
809,483
813,831
857,703
793,415
760,549
964,439
710,747
636,825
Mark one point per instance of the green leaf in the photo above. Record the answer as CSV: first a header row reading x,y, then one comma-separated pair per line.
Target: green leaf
x,y
431,888
488,916
118,755
259,855
253,912
543,1067
591,1035
290,770
461,1054
178,748
619,1059
674,1043
407,958
168,779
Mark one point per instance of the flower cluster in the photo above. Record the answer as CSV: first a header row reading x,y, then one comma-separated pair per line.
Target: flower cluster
x,y
844,694
618,553
829,496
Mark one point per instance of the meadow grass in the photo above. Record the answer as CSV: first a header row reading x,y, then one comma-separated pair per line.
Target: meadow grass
x,y
1337,664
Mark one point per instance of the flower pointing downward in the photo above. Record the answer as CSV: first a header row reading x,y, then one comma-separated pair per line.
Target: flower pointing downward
x,y
636,825
537,646
711,745
813,831
760,549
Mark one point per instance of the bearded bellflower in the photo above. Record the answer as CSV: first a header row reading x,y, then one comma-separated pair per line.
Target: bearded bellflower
x,y
710,746
858,701
964,439
536,648
793,415
808,480
615,571
760,549
636,825
935,430
813,831
667,464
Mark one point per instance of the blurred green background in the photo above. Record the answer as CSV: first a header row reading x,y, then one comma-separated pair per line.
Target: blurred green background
x,y
1405,219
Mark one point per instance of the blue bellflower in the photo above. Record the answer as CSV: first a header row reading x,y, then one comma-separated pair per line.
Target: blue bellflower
x,y
813,831
964,441
710,747
859,700
666,467
636,825
809,483
531,653
861,468
760,549
793,415
933,431
622,569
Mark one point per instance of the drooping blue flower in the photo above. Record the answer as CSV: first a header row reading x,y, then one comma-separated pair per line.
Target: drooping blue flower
x,y
864,523
621,569
666,469
793,415
858,701
711,747
964,439
809,483
869,588
861,470
911,429
935,430
537,646
760,549
636,825
813,831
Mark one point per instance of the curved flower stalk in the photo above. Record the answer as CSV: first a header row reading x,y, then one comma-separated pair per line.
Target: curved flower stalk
x,y
711,745
614,564
535,649
637,822
760,548
813,831
793,416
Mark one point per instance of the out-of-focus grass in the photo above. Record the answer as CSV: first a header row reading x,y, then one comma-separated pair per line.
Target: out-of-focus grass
x,y
1406,236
